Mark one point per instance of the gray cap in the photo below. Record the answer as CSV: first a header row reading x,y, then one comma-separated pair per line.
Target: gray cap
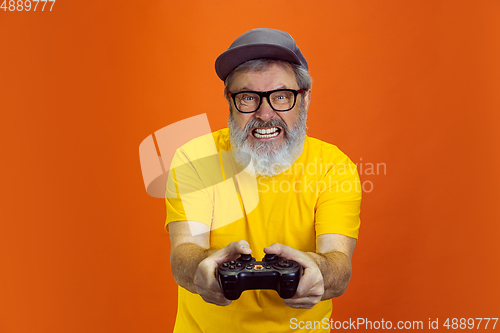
x,y
256,44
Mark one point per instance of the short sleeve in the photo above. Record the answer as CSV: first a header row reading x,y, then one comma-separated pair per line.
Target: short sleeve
x,y
338,207
194,171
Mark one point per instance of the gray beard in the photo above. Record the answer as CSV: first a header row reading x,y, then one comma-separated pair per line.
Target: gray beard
x,y
267,158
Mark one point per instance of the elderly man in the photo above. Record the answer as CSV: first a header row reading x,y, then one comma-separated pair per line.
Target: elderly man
x,y
308,200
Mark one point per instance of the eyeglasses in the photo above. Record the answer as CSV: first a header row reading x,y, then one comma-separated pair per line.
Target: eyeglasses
x,y
279,100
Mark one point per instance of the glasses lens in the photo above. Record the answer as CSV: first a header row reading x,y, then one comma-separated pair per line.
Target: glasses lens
x,y
247,101
282,100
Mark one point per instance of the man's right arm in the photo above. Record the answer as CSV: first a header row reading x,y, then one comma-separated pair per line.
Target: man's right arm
x,y
194,264
190,244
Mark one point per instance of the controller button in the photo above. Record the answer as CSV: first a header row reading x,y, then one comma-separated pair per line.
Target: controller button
x,y
225,264
259,267
285,263
232,262
239,264
268,267
231,267
269,257
249,266
246,257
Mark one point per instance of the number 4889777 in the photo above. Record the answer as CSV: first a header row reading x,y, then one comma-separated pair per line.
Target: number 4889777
x,y
26,5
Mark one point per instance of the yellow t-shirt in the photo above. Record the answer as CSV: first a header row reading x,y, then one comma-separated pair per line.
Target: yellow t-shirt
x,y
319,194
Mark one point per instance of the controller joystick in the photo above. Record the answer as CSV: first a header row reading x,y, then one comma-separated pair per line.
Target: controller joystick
x,y
282,275
269,257
246,257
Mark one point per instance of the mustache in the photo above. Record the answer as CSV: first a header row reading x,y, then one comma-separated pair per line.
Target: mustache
x,y
257,123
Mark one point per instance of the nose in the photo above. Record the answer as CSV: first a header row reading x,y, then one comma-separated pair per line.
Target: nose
x,y
265,112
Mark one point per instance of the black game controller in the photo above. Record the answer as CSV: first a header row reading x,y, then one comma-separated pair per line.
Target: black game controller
x,y
272,272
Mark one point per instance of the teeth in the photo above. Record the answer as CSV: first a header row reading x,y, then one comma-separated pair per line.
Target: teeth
x,y
264,136
260,136
266,131
263,133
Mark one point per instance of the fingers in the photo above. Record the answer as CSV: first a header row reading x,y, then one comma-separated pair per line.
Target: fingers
x,y
232,251
288,252
302,303
309,292
311,286
205,280
239,247
207,285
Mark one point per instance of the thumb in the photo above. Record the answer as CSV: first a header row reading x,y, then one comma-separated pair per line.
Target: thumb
x,y
281,250
232,251
287,252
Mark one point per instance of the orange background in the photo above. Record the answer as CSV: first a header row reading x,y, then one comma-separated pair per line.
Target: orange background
x,y
412,84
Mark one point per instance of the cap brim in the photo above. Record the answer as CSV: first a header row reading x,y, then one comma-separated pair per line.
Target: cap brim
x,y
232,58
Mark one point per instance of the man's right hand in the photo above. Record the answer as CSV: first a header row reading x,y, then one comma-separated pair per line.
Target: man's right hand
x,y
205,278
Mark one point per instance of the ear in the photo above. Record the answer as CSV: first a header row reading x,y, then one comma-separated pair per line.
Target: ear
x,y
307,99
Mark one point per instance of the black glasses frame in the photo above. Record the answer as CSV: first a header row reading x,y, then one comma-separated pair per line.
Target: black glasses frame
x,y
266,94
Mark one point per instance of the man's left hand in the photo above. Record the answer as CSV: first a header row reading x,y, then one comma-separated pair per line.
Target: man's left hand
x,y
311,286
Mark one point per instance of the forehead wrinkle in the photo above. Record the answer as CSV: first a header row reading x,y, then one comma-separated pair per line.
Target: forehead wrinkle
x,y
264,78
282,86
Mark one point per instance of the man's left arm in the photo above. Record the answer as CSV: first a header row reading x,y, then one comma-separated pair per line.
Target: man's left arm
x,y
326,272
333,257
